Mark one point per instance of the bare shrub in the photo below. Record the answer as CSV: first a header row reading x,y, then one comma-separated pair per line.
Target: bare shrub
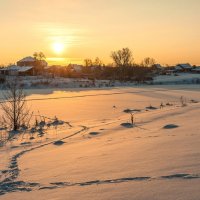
x,y
183,101
16,114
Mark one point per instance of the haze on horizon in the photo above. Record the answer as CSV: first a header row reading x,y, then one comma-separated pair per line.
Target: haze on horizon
x,y
70,31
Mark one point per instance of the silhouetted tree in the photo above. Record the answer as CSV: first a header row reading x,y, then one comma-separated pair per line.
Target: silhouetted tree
x,y
87,62
39,63
39,56
97,62
123,57
142,74
148,62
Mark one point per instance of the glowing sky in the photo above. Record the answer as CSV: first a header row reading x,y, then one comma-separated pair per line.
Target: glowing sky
x,y
167,30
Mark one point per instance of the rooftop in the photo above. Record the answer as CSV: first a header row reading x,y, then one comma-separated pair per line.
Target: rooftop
x,y
27,59
16,68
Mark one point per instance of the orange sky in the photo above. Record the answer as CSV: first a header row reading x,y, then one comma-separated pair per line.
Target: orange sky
x,y
165,30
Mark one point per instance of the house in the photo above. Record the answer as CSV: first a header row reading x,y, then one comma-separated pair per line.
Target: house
x,y
157,66
158,69
15,70
75,68
196,70
183,67
30,61
27,61
38,66
178,68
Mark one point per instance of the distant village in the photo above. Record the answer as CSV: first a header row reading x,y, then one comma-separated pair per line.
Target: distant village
x,y
32,66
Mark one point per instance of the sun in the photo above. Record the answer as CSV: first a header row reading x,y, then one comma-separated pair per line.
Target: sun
x,y
58,47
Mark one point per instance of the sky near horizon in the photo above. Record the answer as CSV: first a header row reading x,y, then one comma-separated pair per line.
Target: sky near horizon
x,y
68,31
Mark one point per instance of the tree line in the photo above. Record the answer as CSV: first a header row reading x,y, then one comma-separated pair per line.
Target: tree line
x,y
123,68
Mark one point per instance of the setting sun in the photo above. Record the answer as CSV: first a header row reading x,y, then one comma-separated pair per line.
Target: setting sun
x,y
58,47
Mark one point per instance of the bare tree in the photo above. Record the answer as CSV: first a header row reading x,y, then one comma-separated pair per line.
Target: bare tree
x,y
39,62
39,56
148,62
123,57
98,62
88,62
15,110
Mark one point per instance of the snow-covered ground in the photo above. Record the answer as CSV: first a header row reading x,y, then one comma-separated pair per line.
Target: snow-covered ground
x,y
179,78
102,156
32,82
